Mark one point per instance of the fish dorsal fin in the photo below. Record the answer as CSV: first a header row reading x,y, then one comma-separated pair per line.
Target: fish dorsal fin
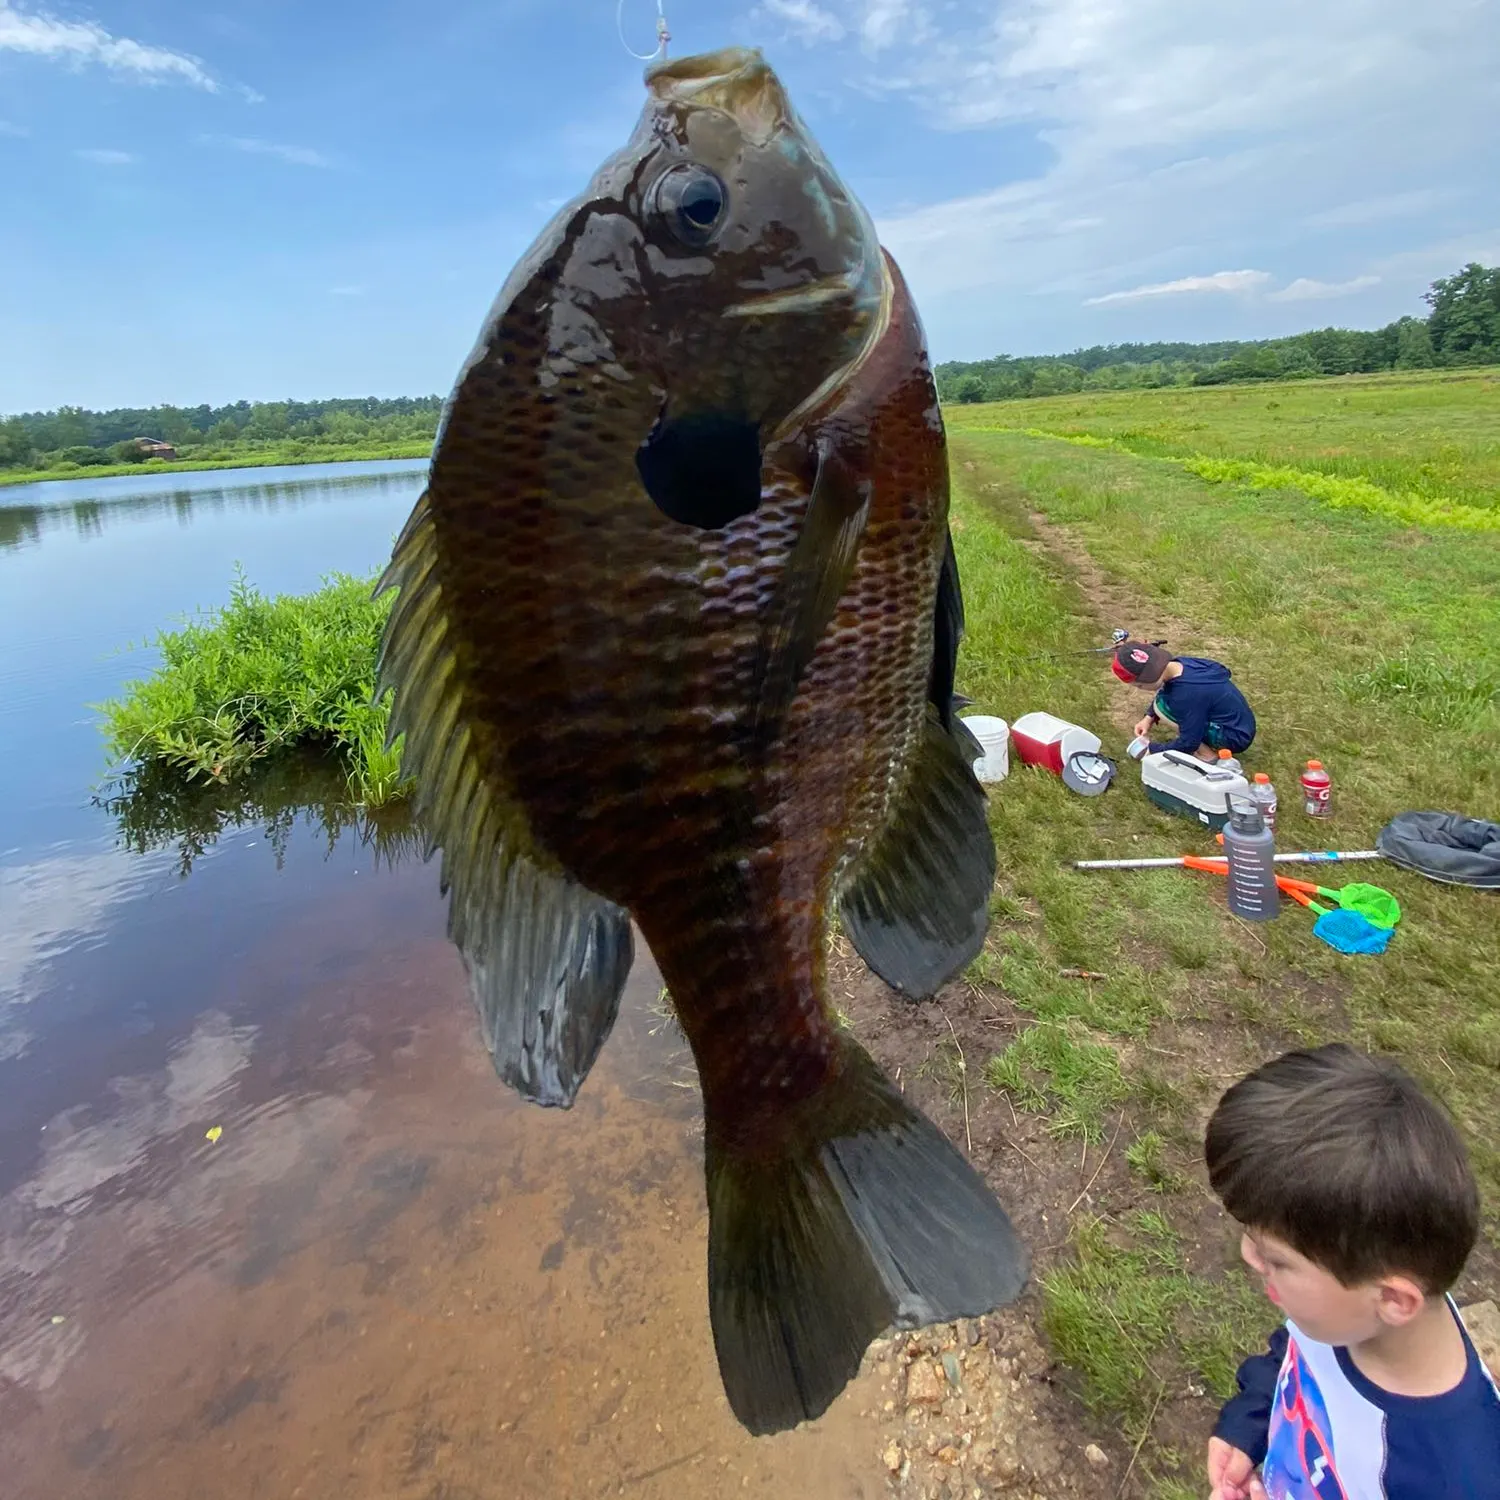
x,y
917,907
547,959
807,594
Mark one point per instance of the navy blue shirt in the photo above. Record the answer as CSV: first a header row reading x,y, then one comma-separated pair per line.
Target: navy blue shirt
x,y
1321,1430
1203,696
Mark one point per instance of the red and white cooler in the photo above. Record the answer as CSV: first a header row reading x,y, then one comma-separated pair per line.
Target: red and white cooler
x,y
1045,740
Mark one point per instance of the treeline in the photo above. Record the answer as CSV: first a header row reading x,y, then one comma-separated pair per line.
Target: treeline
x,y
1462,328
73,437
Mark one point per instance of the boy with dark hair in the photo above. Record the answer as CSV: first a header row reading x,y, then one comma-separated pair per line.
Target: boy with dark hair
x,y
1194,693
1358,1211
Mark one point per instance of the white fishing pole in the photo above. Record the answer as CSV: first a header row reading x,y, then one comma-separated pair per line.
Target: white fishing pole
x,y
1303,857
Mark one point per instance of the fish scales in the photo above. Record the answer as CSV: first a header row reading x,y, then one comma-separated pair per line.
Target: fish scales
x,y
674,643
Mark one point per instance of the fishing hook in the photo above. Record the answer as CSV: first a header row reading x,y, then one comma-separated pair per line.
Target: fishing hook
x,y
663,36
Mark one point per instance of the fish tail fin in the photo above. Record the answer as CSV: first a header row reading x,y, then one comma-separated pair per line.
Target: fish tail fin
x,y
856,1216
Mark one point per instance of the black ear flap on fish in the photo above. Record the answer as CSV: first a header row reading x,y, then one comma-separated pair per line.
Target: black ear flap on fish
x,y
862,1217
702,468
547,959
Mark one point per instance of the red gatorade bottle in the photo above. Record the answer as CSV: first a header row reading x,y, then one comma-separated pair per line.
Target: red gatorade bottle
x,y
1317,790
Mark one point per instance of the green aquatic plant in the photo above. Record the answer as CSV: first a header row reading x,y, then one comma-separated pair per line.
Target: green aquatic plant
x,y
263,676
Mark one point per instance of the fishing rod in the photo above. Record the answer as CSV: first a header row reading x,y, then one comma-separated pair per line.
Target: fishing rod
x,y
1302,857
1116,637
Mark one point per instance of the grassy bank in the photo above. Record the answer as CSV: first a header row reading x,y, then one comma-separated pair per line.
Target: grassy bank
x,y
1415,439
256,456
1373,646
263,678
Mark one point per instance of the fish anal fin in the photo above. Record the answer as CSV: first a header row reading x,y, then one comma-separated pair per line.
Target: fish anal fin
x,y
865,1216
546,958
917,906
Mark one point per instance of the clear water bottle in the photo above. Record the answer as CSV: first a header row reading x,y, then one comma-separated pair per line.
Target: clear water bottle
x,y
1228,761
1263,795
1317,791
1253,892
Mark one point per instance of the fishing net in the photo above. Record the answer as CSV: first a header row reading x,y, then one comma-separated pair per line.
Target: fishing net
x,y
1444,846
1350,932
1378,907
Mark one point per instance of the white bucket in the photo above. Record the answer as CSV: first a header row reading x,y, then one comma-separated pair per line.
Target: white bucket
x,y
994,735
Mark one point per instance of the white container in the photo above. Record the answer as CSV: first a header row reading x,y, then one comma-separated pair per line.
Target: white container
x,y
994,735
1045,740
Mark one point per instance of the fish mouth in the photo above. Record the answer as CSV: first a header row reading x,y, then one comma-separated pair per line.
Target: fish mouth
x,y
736,80
796,298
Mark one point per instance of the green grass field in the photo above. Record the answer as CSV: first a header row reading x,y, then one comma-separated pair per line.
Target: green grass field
x,y
1371,644
1431,437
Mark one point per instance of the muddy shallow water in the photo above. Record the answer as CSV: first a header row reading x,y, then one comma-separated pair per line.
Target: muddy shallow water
x,y
386,1276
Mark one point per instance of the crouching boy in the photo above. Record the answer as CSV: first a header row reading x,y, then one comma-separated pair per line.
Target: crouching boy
x,y
1358,1210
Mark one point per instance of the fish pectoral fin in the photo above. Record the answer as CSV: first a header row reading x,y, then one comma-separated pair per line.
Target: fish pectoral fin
x,y
547,959
863,1217
917,908
811,584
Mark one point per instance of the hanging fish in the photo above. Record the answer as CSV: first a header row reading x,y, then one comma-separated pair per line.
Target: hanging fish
x,y
674,642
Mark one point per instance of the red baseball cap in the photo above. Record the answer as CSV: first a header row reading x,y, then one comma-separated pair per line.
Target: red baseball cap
x,y
1135,661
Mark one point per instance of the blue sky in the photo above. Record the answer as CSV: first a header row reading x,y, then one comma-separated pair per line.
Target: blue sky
x,y
277,199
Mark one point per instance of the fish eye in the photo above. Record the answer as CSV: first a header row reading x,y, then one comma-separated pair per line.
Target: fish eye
x,y
692,200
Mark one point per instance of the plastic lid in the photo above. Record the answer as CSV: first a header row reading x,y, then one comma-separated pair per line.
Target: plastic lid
x,y
1224,755
1315,765
1262,778
1245,817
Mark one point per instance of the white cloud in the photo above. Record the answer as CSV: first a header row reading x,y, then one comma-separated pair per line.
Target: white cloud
x,y
886,22
104,156
51,906
7,128
806,19
1220,281
1303,289
80,43
298,156
1175,134
1377,210
347,291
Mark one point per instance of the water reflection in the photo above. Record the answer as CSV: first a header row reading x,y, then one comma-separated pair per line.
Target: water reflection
x,y
86,507
154,809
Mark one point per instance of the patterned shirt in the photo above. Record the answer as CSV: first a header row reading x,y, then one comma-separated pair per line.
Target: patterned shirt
x,y
1321,1430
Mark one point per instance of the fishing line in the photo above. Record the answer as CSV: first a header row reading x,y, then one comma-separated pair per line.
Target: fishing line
x,y
663,36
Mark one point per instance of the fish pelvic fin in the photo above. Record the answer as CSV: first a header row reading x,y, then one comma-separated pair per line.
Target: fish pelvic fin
x,y
861,1217
546,958
917,906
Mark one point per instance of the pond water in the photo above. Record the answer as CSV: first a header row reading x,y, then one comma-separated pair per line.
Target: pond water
x,y
386,1276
